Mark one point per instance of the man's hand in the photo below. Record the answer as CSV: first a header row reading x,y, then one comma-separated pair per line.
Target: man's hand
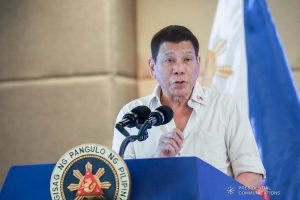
x,y
250,180
169,144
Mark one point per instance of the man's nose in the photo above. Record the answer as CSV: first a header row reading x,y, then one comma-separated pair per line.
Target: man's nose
x,y
178,68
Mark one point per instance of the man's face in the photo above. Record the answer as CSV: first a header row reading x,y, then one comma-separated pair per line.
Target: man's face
x,y
176,68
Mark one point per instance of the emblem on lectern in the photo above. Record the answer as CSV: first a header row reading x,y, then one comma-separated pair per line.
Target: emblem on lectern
x,y
90,171
89,185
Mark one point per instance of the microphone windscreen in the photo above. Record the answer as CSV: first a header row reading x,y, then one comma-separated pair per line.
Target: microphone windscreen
x,y
167,112
142,112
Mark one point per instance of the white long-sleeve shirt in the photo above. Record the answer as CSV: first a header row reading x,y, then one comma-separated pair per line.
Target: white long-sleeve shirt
x,y
217,132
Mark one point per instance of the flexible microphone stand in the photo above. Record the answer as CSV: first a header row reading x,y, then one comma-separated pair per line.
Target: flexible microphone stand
x,y
141,136
160,116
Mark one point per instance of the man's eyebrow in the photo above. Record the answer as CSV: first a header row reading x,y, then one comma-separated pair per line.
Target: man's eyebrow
x,y
169,53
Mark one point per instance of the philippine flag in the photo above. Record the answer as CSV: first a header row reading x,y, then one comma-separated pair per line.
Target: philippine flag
x,y
246,59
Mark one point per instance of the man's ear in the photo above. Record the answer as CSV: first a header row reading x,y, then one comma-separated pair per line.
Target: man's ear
x,y
151,64
199,59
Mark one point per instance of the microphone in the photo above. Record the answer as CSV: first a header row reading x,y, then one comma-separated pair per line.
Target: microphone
x,y
136,116
160,116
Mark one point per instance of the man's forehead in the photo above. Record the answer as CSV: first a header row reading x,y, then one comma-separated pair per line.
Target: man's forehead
x,y
169,48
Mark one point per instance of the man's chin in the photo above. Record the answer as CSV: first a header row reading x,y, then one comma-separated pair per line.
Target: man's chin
x,y
181,94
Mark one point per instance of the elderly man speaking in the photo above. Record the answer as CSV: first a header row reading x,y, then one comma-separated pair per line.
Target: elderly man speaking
x,y
206,123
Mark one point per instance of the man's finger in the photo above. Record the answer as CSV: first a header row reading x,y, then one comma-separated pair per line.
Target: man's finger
x,y
179,133
171,142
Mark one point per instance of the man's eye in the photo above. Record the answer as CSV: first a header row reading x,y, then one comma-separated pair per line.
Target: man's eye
x,y
188,59
169,60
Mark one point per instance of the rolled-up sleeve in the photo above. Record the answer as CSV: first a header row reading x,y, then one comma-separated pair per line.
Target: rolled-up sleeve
x,y
242,148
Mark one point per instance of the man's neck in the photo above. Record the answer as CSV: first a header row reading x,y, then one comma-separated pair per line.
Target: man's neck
x,y
176,103
181,110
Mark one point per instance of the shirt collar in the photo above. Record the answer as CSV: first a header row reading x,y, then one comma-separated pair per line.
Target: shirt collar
x,y
155,97
198,95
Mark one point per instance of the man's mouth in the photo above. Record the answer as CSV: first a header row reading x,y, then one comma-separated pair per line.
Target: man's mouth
x,y
179,82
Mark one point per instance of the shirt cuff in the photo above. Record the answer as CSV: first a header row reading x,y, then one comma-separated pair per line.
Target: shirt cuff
x,y
248,163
